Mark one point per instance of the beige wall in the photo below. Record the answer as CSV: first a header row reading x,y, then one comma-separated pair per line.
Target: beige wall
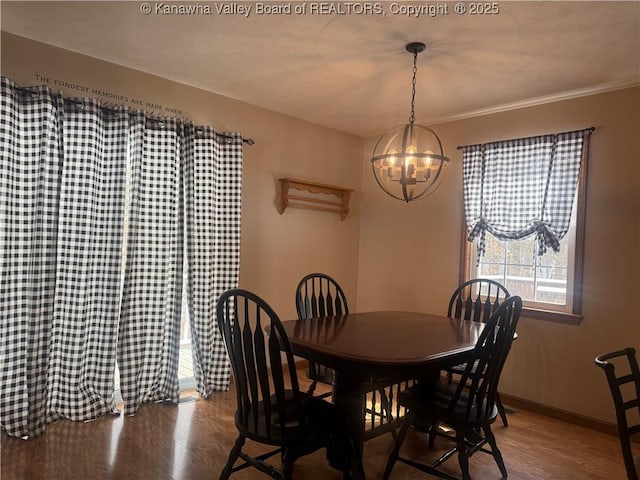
x,y
409,254
391,255
276,250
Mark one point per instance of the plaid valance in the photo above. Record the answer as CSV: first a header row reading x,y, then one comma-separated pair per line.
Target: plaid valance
x,y
522,187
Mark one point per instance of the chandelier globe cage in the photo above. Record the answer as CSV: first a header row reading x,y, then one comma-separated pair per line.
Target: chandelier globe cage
x,y
408,161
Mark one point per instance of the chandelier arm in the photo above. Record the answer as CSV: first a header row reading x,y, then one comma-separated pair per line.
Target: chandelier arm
x,y
406,140
405,193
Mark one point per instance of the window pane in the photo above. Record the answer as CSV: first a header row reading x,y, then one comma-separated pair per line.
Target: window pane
x,y
494,250
520,281
551,285
493,271
553,259
520,252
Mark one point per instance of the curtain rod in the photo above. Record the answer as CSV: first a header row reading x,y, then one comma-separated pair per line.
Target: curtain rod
x,y
248,141
589,131
77,101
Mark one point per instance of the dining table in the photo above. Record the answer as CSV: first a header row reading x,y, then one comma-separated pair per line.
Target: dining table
x,y
387,346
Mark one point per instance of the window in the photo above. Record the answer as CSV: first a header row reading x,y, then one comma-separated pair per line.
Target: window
x,y
545,283
550,284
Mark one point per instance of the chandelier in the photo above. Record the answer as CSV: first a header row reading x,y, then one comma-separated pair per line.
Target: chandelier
x,y
408,161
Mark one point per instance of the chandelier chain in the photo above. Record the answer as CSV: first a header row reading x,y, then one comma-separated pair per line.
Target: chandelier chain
x,y
412,118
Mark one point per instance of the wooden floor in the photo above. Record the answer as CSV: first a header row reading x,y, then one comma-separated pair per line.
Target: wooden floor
x,y
190,441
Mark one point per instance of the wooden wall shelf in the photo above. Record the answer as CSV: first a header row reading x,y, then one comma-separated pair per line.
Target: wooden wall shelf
x,y
313,196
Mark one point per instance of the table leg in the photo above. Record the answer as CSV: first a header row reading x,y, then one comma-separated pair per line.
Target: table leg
x,y
349,398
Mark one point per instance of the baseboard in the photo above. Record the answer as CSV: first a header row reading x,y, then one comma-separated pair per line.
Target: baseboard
x,y
559,414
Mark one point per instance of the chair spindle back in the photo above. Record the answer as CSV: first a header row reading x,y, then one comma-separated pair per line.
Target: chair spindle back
x,y
476,299
319,295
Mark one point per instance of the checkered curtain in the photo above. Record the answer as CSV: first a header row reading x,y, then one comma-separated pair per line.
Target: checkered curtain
x,y
517,188
62,171
149,346
213,170
64,311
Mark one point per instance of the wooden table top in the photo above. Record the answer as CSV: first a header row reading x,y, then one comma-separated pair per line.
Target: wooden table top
x,y
378,339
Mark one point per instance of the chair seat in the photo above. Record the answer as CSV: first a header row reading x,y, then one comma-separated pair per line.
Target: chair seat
x,y
320,373
460,369
429,402
320,419
457,369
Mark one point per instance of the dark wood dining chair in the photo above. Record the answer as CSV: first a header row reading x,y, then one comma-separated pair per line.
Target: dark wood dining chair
x,y
623,377
268,411
476,300
468,407
319,295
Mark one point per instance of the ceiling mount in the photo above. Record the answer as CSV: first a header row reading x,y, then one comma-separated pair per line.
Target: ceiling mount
x,y
415,47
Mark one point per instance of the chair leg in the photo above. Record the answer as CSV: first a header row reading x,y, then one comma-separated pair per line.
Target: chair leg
x,y
386,407
501,410
432,434
393,456
463,455
312,388
233,456
627,455
497,456
288,458
384,403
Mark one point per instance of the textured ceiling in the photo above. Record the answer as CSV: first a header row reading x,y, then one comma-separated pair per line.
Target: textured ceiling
x,y
350,71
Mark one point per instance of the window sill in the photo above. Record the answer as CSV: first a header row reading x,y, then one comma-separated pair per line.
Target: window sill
x,y
551,316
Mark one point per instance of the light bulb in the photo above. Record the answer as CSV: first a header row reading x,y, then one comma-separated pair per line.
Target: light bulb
x,y
391,161
428,159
